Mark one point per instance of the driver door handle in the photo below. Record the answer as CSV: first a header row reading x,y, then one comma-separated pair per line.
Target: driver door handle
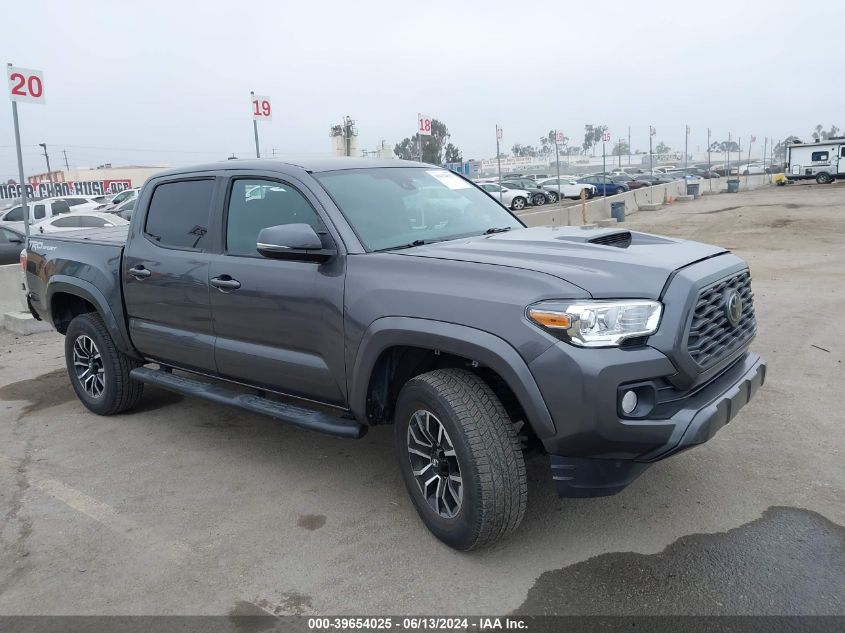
x,y
139,272
225,282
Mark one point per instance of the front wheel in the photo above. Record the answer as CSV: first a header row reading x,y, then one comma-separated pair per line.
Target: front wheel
x,y
98,371
539,200
460,458
518,203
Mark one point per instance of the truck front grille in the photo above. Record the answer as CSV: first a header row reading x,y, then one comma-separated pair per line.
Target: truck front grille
x,y
712,336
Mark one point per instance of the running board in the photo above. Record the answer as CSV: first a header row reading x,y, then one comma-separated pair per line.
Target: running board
x,y
292,414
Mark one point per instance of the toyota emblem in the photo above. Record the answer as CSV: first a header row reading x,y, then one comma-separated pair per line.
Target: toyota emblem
x,y
733,307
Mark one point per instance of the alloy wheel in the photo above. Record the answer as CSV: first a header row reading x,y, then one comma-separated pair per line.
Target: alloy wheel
x,y
88,365
434,464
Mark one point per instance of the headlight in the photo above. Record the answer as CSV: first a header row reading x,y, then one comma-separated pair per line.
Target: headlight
x,y
597,323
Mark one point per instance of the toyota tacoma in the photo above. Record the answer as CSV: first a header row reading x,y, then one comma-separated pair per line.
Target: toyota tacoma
x,y
336,295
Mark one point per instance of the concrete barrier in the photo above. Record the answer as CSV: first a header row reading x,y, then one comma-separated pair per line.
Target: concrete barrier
x,y
14,315
599,208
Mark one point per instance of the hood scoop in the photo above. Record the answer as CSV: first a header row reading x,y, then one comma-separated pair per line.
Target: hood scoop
x,y
620,239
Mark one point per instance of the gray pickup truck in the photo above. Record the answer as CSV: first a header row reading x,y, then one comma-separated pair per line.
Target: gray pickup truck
x,y
341,294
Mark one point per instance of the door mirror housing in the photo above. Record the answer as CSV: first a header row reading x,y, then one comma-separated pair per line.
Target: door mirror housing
x,y
294,242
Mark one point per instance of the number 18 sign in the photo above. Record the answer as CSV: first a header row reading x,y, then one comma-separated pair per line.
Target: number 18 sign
x,y
25,84
424,124
261,109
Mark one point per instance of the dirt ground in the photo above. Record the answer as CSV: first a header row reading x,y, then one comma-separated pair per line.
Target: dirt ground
x,y
184,507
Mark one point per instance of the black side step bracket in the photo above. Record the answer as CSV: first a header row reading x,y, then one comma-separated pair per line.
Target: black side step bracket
x,y
297,416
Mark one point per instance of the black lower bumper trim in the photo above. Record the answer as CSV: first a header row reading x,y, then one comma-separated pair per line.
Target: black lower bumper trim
x,y
583,477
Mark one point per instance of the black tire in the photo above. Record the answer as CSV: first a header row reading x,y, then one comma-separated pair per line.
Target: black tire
x,y
487,451
823,178
118,392
553,196
539,199
619,190
519,203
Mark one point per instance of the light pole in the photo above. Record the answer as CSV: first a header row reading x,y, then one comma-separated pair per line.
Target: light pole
x,y
47,158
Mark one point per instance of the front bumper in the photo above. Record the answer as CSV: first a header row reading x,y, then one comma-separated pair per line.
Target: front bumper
x,y
586,472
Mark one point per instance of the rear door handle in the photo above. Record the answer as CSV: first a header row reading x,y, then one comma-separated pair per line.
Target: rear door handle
x,y
225,282
139,272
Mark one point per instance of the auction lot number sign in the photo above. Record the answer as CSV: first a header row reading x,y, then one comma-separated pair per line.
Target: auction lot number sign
x,y
25,84
261,108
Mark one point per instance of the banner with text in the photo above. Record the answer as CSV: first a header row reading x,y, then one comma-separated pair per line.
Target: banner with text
x,y
46,189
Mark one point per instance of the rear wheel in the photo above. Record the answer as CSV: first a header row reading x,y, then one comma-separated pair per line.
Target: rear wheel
x,y
539,200
518,203
98,371
619,190
460,458
823,178
553,196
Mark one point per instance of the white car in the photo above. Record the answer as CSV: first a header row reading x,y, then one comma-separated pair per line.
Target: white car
x,y
38,211
751,169
82,203
566,187
515,199
77,221
124,196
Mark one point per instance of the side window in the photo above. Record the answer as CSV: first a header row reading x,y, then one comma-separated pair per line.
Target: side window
x,y
60,206
38,212
819,156
257,204
842,152
66,222
15,215
91,221
179,212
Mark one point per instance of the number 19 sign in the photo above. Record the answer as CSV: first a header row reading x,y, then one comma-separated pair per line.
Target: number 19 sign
x,y
261,109
25,84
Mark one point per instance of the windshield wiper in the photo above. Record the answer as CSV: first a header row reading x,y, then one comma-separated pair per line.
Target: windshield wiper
x,y
411,245
497,230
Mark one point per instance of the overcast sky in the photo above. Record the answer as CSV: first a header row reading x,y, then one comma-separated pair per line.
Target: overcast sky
x,y
149,82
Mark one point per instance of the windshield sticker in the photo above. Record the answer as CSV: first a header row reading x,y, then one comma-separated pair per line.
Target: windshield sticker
x,y
449,179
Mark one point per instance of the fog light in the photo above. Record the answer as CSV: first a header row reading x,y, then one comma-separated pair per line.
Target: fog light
x,y
629,401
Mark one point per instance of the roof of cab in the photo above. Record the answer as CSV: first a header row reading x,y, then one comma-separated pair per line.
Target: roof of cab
x,y
310,165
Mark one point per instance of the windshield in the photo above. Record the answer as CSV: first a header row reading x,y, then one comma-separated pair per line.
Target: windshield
x,y
393,207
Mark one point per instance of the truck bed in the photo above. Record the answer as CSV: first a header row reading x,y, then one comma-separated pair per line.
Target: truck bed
x,y
110,235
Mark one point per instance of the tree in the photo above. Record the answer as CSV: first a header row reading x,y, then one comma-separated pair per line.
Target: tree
x,y
662,148
432,146
779,150
452,154
621,148
592,135
820,134
547,144
523,150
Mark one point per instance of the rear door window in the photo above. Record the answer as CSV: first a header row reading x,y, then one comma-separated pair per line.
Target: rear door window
x,y
38,212
179,212
60,206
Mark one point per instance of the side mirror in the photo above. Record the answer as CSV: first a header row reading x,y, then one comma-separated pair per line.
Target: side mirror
x,y
292,241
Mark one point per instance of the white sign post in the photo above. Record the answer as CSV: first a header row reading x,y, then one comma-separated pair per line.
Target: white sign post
x,y
261,111
423,129
25,85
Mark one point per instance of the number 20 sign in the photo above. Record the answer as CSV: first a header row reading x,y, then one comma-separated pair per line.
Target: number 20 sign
x,y
25,84
261,109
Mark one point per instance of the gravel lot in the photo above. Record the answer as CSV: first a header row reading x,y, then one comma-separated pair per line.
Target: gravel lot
x,y
183,507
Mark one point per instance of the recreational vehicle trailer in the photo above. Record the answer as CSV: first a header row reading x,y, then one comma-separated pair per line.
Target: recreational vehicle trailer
x,y
823,161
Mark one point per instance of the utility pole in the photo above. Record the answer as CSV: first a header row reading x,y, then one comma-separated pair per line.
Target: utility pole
x,y
499,159
709,179
47,158
686,150
64,153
